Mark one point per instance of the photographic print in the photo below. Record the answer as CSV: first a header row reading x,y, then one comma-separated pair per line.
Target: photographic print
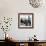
x,y
25,20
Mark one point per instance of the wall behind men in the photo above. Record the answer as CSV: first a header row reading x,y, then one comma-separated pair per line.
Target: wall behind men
x,y
11,8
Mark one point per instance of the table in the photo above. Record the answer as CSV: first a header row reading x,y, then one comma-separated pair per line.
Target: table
x,y
27,42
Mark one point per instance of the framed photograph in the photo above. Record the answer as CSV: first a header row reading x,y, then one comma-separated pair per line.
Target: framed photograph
x,y
25,20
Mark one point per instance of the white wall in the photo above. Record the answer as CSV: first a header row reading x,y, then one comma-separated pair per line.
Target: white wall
x,y
45,28
11,8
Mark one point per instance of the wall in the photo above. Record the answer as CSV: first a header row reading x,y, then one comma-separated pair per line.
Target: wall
x,y
11,8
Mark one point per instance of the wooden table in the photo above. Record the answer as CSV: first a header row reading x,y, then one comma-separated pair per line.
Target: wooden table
x,y
30,43
27,42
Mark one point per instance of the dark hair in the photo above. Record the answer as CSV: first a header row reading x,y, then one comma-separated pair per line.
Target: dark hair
x,y
34,35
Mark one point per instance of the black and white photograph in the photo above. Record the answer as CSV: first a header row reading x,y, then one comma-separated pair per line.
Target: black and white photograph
x,y
25,20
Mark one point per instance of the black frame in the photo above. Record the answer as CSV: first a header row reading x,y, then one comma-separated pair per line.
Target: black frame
x,y
26,14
